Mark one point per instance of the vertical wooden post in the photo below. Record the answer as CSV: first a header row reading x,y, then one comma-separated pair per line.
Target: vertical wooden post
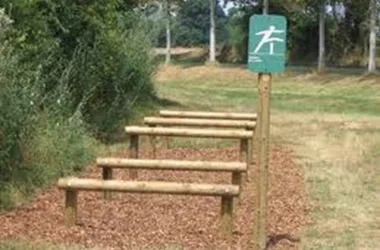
x,y
251,150
70,207
153,143
243,157
226,213
256,135
244,154
265,81
133,153
249,159
107,175
236,178
251,147
167,142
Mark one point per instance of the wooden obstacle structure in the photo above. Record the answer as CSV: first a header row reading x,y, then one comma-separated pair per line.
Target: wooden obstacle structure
x,y
134,132
243,125
73,185
199,122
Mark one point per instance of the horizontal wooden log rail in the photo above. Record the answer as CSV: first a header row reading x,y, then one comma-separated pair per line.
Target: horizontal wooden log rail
x,y
186,132
209,115
148,187
172,165
73,185
135,131
107,164
159,121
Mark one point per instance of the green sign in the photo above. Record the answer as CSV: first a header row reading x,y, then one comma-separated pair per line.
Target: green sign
x,y
267,43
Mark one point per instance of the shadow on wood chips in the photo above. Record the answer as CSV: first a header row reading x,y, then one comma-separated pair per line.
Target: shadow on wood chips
x,y
151,221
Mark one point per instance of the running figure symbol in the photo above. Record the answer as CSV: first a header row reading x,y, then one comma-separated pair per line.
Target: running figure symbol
x,y
268,39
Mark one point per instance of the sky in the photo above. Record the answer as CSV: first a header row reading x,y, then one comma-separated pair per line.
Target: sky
x,y
228,6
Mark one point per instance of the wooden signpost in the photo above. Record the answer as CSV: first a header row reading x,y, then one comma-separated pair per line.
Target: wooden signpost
x,y
266,55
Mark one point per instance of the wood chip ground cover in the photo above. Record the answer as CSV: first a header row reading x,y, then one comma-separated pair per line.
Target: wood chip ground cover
x,y
148,221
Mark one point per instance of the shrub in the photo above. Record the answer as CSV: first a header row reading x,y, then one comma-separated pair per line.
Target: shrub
x,y
109,79
67,72
57,148
35,147
88,57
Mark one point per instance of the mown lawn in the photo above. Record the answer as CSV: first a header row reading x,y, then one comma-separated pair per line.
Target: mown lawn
x,y
332,121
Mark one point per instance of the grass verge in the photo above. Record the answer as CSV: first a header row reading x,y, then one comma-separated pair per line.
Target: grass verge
x,y
333,123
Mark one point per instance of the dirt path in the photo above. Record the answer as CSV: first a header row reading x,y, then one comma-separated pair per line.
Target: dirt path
x,y
133,221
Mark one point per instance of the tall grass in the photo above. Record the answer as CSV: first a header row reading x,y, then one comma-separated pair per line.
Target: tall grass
x,y
36,146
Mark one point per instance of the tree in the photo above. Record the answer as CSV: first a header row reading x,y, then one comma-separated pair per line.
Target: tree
x,y
192,24
170,8
372,37
321,56
266,7
80,58
320,6
343,26
168,33
212,31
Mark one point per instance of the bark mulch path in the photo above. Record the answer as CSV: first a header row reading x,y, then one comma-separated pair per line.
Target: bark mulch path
x,y
150,221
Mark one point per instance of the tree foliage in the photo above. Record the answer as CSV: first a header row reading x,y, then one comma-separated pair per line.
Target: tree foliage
x,y
194,23
191,24
347,29
69,70
79,51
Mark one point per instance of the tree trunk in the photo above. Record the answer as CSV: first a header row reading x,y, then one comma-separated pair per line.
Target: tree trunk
x,y
266,7
321,57
372,38
168,35
212,31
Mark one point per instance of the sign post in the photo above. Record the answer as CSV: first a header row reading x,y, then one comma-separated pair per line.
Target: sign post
x,y
266,55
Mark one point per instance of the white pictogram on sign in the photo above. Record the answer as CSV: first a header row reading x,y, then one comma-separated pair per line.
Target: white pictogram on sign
x,y
268,39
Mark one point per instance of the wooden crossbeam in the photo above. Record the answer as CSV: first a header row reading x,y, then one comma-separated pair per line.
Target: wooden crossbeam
x,y
160,121
208,115
148,187
186,132
171,165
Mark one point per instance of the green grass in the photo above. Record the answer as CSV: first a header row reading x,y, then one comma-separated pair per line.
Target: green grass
x,y
332,121
299,93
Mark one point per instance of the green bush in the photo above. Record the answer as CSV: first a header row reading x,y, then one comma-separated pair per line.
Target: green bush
x,y
110,78
16,114
69,73
88,58
55,148
35,147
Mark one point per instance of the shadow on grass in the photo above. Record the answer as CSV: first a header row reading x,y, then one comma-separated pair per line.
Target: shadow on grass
x,y
149,109
188,60
184,60
276,238
164,102
339,70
